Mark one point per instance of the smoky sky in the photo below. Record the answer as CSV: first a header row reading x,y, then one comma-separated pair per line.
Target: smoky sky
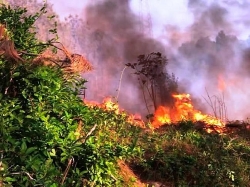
x,y
207,57
214,60
211,19
119,38
116,24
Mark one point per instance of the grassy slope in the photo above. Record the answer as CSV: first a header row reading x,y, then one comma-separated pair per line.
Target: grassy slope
x,y
181,155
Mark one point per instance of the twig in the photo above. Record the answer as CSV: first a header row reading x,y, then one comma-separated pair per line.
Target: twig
x,y
68,55
26,53
72,159
70,162
10,81
149,92
86,137
47,44
113,176
153,95
1,157
225,108
1,161
144,96
218,106
1,166
40,44
120,81
210,103
19,173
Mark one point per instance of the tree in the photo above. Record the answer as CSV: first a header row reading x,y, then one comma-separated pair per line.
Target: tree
x,y
155,82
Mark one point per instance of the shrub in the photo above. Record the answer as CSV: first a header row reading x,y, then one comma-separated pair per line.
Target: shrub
x,y
48,137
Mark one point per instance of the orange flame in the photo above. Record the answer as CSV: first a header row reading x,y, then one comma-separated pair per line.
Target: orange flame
x,y
110,105
221,83
184,110
107,104
161,116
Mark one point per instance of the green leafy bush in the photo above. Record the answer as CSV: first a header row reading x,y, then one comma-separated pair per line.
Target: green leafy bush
x,y
48,137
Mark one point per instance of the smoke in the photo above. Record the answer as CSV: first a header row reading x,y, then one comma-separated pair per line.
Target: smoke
x,y
207,57
210,20
214,62
210,56
117,34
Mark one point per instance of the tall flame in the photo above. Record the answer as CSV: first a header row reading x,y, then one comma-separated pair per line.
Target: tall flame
x,y
184,110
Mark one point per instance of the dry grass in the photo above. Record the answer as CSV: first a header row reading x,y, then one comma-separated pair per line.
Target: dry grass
x,y
64,59
7,47
218,106
128,175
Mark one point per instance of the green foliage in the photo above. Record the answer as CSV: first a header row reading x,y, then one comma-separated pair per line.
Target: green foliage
x,y
18,26
186,157
21,30
48,137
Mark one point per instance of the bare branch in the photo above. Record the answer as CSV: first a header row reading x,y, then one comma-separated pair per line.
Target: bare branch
x,y
86,137
120,81
23,172
70,162
218,106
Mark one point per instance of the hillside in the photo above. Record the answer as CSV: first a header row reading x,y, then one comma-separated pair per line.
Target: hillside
x,y
50,136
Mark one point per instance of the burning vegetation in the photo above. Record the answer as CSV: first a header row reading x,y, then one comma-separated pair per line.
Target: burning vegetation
x,y
184,110
109,105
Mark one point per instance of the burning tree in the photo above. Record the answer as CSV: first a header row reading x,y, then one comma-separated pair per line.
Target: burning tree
x,y
156,84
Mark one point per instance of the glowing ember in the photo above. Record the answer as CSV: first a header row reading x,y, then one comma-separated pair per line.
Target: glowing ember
x,y
184,110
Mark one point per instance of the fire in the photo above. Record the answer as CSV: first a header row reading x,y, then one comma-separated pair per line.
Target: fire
x,y
161,116
184,110
221,83
109,105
